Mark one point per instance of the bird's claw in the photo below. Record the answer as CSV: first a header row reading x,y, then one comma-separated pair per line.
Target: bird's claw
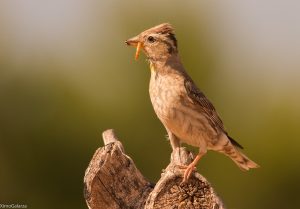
x,y
188,171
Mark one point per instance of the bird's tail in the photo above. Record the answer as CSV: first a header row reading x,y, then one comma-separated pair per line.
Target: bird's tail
x,y
242,161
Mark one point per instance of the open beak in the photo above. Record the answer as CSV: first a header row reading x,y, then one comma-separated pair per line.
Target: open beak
x,y
135,42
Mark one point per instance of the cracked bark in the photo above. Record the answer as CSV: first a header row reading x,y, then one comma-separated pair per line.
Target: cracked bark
x,y
112,181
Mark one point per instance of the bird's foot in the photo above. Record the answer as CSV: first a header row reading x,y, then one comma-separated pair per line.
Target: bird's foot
x,y
188,169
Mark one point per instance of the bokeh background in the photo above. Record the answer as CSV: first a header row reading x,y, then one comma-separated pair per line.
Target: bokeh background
x,y
66,75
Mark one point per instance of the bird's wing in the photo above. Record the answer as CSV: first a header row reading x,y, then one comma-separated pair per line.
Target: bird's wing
x,y
199,99
206,106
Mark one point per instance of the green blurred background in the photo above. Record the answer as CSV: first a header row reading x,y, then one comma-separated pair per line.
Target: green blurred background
x,y
66,75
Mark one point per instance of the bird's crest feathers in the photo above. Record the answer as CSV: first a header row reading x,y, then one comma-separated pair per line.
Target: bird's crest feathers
x,y
163,28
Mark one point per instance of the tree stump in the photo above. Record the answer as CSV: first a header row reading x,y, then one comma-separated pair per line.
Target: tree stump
x,y
112,181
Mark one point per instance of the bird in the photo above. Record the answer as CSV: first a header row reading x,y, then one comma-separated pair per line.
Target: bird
x,y
186,113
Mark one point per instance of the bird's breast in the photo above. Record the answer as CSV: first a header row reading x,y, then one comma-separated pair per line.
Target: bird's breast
x,y
165,91
171,105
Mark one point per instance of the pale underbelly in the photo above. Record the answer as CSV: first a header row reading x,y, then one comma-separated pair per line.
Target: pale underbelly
x,y
192,130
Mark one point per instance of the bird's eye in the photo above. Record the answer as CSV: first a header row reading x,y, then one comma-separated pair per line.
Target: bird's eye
x,y
151,39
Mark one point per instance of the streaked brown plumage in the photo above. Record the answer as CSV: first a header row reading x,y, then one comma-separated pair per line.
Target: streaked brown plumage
x,y
186,113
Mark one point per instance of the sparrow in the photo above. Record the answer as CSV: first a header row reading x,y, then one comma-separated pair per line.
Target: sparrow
x,y
182,108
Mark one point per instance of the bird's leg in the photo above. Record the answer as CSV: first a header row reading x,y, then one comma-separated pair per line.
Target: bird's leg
x,y
192,166
174,140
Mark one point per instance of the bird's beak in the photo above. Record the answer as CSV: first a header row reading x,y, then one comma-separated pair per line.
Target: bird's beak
x,y
137,43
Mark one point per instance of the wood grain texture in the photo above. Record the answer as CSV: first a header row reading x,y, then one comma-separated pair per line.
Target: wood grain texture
x,y
112,181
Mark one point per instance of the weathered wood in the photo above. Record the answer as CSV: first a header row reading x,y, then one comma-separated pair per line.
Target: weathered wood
x,y
112,181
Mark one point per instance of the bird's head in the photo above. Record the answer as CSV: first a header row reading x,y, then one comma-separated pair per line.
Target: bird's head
x,y
158,43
